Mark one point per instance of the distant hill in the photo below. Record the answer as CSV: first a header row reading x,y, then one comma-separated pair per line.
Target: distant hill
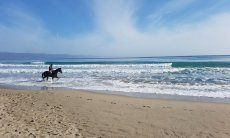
x,y
35,56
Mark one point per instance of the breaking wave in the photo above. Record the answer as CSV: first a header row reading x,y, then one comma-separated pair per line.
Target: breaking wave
x,y
211,79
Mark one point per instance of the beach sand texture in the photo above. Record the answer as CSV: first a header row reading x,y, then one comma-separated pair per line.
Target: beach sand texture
x,y
63,113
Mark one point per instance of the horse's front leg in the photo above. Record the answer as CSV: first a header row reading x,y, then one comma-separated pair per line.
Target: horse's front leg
x,y
47,78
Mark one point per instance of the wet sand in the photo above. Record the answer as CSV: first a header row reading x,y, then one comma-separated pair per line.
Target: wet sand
x,y
64,113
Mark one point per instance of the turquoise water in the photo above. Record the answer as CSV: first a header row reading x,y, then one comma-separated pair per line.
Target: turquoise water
x,y
207,76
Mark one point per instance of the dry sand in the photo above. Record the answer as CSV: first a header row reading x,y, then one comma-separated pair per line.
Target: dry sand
x,y
85,114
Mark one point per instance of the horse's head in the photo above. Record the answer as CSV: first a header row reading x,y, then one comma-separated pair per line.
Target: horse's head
x,y
59,70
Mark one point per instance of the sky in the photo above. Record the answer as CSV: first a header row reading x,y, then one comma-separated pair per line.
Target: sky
x,y
116,28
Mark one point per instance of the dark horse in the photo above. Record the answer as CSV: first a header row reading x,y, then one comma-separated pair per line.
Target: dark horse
x,y
47,74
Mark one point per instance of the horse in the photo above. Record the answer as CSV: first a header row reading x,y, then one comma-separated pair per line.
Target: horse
x,y
48,74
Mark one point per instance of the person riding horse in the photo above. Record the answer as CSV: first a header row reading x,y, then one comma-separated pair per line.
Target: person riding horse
x,y
51,73
51,68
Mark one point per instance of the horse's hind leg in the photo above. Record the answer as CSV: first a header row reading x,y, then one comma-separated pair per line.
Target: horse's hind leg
x,y
47,78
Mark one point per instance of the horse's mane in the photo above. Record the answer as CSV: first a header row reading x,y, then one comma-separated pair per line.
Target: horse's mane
x,y
57,69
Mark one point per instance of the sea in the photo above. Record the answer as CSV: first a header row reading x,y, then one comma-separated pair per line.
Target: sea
x,y
191,76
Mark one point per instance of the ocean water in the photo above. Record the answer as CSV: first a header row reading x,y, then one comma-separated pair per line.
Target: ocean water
x,y
207,76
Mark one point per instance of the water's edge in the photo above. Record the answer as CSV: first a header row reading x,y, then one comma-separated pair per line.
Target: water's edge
x,y
202,99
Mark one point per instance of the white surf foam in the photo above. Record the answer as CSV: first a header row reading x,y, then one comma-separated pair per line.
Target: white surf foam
x,y
141,78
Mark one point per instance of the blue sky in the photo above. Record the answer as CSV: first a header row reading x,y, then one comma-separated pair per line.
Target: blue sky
x,y
116,27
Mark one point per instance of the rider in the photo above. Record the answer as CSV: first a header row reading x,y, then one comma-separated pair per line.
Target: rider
x,y
51,68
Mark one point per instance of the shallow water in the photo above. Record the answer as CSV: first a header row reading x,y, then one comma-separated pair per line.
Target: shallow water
x,y
207,76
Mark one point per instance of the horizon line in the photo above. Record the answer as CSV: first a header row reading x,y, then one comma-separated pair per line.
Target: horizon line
x,y
118,57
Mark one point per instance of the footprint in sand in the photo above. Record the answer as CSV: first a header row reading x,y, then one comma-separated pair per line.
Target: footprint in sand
x,y
169,107
113,103
146,106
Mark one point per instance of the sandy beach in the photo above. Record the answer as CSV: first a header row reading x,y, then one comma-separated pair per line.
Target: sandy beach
x,y
64,113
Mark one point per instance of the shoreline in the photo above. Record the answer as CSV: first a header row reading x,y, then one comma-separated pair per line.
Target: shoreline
x,y
185,98
68,113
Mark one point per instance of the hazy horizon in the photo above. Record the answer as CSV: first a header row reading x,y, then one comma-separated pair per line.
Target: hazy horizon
x,y
13,55
128,28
